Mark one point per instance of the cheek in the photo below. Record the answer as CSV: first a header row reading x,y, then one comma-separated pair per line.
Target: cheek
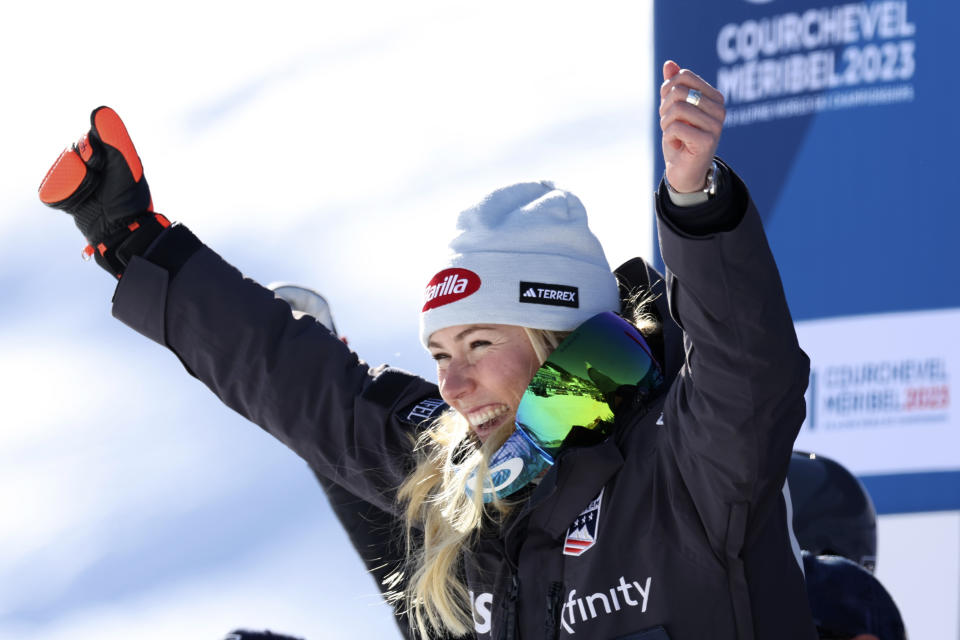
x,y
517,376
441,384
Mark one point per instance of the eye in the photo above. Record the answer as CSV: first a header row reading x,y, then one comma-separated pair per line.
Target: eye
x,y
477,344
439,356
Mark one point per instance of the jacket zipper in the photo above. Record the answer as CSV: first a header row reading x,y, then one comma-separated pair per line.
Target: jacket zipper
x,y
554,610
509,630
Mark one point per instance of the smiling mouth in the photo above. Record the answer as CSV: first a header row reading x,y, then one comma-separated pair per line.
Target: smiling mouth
x,y
484,422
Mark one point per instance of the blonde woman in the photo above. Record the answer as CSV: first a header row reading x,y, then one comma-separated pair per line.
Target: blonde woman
x,y
556,480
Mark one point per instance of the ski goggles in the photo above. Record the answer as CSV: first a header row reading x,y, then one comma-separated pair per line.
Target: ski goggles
x,y
603,364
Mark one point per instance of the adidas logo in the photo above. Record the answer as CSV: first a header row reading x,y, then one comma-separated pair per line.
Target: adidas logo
x,y
558,295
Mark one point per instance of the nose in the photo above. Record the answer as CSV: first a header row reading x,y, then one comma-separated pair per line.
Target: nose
x,y
456,380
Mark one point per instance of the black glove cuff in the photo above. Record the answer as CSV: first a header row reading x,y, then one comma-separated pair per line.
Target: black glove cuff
x,y
132,238
174,249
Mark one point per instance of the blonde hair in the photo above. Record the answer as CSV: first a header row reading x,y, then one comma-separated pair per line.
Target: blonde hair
x,y
442,519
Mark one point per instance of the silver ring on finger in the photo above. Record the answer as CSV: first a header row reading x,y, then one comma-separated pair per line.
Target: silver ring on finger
x,y
693,97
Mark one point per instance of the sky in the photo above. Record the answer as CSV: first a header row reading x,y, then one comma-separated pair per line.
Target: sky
x,y
325,144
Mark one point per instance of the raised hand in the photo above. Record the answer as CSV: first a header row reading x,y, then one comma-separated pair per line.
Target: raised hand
x,y
100,182
691,118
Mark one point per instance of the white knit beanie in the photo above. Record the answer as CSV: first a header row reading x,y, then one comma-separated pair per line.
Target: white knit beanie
x,y
525,256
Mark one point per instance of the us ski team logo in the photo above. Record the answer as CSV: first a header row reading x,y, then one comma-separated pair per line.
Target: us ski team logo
x,y
582,534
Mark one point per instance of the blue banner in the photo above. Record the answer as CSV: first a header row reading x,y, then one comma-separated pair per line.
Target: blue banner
x,y
841,120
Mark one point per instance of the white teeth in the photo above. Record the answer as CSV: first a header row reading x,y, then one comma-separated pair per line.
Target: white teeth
x,y
486,415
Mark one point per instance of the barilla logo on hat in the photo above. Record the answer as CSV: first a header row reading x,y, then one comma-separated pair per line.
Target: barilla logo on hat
x,y
449,286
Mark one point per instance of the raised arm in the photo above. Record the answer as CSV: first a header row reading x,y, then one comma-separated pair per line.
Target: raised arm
x,y
288,375
740,395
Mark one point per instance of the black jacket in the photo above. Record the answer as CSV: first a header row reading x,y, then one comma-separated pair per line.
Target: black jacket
x,y
377,535
681,507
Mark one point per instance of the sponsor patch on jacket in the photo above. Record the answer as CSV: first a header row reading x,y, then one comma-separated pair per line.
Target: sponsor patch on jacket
x,y
557,295
582,534
426,409
449,286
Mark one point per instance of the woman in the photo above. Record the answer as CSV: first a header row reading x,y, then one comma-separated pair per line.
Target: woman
x,y
573,485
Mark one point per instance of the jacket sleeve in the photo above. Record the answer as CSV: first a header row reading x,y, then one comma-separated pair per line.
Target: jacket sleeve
x,y
290,376
735,409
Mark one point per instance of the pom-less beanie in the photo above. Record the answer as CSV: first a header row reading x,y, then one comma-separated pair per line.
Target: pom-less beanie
x,y
525,256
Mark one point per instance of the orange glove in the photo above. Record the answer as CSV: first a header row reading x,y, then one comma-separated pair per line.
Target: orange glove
x,y
99,181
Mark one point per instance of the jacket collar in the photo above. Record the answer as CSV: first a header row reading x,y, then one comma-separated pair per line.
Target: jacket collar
x,y
577,478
